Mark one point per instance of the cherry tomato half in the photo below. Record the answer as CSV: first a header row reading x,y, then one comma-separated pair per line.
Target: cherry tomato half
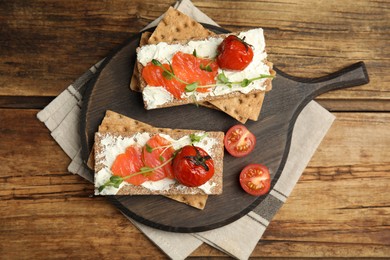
x,y
192,166
239,141
255,179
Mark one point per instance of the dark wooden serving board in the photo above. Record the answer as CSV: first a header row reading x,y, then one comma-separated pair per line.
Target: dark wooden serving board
x,y
110,90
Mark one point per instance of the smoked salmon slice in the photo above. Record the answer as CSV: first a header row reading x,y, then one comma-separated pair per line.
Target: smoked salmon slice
x,y
195,69
153,75
186,68
158,151
128,163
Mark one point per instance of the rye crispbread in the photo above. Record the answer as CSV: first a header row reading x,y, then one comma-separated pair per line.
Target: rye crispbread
x,y
177,26
118,123
115,122
242,107
134,82
175,189
225,97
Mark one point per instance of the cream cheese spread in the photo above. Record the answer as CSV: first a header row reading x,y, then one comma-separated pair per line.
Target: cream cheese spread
x,y
163,52
113,145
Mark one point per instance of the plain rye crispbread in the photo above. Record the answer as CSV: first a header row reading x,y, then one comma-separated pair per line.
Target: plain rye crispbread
x,y
176,26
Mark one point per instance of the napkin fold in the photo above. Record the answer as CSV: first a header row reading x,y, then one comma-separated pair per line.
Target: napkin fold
x,y
237,239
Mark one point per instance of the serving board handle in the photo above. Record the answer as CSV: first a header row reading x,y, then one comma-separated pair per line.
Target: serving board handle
x,y
291,94
353,75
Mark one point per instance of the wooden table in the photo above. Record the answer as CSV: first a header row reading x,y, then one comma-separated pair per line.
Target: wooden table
x,y
340,206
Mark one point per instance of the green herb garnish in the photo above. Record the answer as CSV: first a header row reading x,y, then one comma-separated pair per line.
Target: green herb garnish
x,y
206,67
148,148
223,80
197,138
191,87
168,74
161,158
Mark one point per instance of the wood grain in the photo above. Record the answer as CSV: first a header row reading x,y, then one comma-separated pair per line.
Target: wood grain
x,y
49,209
46,46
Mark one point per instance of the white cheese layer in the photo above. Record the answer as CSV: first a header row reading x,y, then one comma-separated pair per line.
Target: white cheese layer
x,y
163,52
112,146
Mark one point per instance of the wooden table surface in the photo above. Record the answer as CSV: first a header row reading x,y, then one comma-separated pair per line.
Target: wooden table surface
x,y
341,204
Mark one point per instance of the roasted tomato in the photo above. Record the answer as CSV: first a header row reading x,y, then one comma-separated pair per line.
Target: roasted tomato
x,y
255,179
192,166
234,53
239,141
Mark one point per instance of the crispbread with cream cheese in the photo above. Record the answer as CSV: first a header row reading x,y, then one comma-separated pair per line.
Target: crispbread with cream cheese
x,y
178,26
115,122
108,145
157,97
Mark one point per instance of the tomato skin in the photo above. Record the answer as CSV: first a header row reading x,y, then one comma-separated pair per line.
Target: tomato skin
x,y
255,179
239,141
188,171
234,53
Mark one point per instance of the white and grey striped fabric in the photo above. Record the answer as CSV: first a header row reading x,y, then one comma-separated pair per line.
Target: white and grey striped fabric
x,y
237,239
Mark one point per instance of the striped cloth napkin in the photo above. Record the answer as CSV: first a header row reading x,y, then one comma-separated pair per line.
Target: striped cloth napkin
x,y
237,239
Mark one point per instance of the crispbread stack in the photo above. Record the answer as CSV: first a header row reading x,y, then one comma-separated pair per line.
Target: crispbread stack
x,y
122,125
176,26
135,83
